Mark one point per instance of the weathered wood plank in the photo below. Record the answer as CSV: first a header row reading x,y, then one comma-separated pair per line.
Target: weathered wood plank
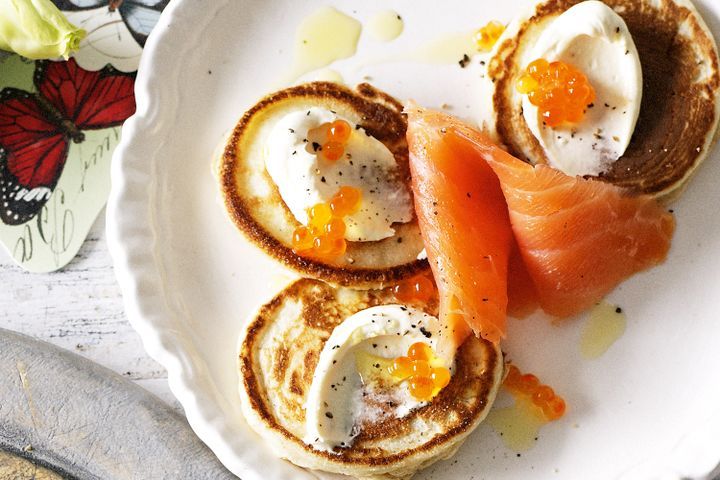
x,y
80,308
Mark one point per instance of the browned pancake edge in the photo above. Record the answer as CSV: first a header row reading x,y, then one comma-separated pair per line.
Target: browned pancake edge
x,y
383,119
322,312
678,115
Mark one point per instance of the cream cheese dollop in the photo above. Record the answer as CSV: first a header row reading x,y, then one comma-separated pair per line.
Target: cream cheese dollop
x,y
593,38
339,398
304,178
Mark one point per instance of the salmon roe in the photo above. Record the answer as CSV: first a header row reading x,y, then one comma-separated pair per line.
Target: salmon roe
x,y
324,235
486,37
424,380
418,289
560,91
336,135
543,396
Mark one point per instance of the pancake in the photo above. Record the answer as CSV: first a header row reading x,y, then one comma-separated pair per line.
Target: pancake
x,y
680,107
255,206
277,357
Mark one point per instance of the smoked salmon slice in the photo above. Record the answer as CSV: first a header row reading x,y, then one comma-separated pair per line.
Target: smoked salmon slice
x,y
522,294
577,238
464,223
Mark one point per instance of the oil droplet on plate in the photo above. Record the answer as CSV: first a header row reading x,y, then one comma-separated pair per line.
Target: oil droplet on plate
x,y
323,37
604,327
386,26
517,425
326,75
446,49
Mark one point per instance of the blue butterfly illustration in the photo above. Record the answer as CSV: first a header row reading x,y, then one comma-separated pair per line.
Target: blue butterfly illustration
x,y
140,16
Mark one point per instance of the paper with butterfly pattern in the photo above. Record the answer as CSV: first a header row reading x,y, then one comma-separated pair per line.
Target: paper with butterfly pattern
x,y
59,124
116,30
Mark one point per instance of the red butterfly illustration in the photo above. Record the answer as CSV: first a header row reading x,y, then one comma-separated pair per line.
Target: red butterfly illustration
x,y
36,129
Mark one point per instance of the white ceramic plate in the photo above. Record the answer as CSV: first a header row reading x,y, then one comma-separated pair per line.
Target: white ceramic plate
x,y
649,408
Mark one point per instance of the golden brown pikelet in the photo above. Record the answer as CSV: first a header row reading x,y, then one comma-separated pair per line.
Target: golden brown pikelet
x,y
680,107
256,207
279,351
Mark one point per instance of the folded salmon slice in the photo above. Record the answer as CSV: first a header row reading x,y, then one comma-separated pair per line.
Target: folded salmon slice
x,y
576,238
464,222
579,238
522,294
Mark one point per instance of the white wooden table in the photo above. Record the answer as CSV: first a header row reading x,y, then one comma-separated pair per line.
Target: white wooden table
x,y
80,309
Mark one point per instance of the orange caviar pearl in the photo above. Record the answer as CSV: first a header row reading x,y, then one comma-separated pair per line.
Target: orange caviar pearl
x,y
339,131
558,70
335,228
512,380
537,68
333,150
351,194
555,408
421,387
553,116
513,374
404,291
560,91
322,246
424,288
424,382
417,289
526,84
528,382
337,205
421,368
319,214
578,94
346,201
440,377
401,368
336,135
339,245
542,395
574,115
420,351
302,239
486,37
324,236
